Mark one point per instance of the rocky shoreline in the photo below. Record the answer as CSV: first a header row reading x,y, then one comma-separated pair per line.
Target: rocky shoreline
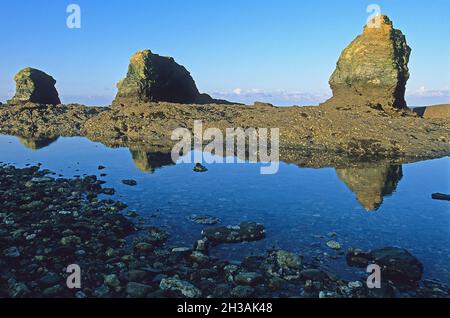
x,y
367,118
57,222
309,136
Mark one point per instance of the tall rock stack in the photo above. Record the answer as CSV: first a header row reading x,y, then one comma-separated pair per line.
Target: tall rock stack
x,y
373,69
34,86
155,78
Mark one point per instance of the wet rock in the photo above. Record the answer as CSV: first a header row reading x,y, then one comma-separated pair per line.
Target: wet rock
x,y
373,69
357,257
199,257
288,260
156,78
102,291
199,168
355,284
334,245
34,86
204,219
49,279
80,295
19,290
202,245
136,275
246,231
108,191
11,252
399,266
112,280
54,291
328,294
70,240
156,235
313,274
248,278
143,247
221,291
132,214
182,250
129,182
242,291
185,288
138,290
282,264
71,226
440,196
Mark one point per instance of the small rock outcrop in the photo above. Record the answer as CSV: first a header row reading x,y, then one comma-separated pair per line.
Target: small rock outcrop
x,y
34,86
441,111
373,69
397,264
155,78
246,231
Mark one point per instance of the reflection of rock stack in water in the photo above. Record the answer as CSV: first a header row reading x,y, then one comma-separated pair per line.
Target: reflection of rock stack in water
x,y
37,143
149,161
372,183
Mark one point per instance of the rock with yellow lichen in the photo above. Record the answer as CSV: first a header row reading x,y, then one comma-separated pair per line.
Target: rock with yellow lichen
x,y
155,78
34,86
373,69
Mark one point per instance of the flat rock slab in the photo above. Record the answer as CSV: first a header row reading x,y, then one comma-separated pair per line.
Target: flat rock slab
x,y
246,231
397,264
441,196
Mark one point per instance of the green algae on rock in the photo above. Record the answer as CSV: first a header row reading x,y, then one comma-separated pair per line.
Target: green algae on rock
x,y
373,69
152,77
34,86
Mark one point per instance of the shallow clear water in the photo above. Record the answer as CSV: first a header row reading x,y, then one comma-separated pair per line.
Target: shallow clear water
x,y
382,205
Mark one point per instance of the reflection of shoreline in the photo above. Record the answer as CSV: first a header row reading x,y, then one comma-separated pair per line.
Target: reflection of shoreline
x,y
372,183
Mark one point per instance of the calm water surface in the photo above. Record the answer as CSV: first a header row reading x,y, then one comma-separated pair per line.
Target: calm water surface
x,y
381,205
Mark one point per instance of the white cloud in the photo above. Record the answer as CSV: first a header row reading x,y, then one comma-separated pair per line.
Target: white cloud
x,y
424,92
277,97
237,91
425,97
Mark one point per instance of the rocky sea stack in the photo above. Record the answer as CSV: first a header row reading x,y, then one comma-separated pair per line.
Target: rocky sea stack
x,y
373,69
34,86
155,78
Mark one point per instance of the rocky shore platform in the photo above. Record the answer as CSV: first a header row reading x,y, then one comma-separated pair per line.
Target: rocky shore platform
x,y
57,222
309,136
366,119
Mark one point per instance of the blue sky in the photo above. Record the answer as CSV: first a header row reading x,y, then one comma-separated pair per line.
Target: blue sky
x,y
280,51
